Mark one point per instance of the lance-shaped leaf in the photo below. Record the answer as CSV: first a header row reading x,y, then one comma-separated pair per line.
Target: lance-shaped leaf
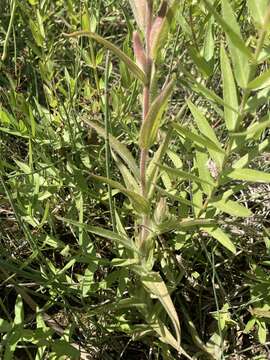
x,y
229,91
184,175
260,82
231,207
250,175
198,139
221,237
139,11
132,66
118,147
240,60
156,286
225,24
258,10
152,121
207,131
139,51
160,28
140,203
107,234
252,154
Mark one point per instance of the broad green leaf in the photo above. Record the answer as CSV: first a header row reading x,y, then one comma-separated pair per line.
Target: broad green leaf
x,y
260,82
250,175
151,123
239,59
184,175
139,11
133,67
221,237
156,286
231,207
140,203
226,25
118,147
107,234
200,140
258,9
208,132
229,91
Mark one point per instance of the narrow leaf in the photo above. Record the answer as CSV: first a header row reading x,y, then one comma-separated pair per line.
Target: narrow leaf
x,y
200,140
151,123
118,147
140,203
207,131
250,175
258,10
231,207
221,237
239,59
139,10
260,82
225,24
107,234
229,91
133,67
156,286
184,175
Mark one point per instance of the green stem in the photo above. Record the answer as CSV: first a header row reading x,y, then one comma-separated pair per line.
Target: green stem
x,y
5,47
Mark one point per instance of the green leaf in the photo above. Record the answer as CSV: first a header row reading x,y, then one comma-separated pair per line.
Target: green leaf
x,y
5,326
221,237
184,175
107,234
207,131
239,59
202,162
229,91
151,123
252,154
156,286
260,82
226,25
254,128
19,312
62,348
231,207
116,51
200,140
258,9
118,147
140,203
250,175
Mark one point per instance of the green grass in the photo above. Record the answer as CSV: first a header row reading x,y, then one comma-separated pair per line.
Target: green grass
x,y
95,259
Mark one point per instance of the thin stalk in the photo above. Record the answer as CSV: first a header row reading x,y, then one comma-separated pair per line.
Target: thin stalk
x,y
107,141
145,109
5,47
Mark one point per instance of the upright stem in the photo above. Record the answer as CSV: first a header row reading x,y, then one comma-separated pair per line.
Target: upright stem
x,y
145,108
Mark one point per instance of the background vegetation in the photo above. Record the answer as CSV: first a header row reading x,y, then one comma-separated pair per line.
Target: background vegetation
x,y
74,282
